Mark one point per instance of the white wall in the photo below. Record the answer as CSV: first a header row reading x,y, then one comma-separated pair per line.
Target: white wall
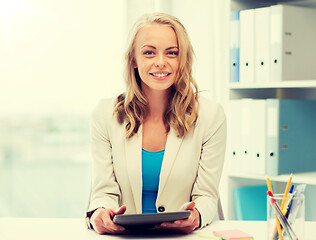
x,y
59,55
197,20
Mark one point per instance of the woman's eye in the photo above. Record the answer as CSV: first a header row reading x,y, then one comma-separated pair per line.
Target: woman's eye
x,y
173,53
148,53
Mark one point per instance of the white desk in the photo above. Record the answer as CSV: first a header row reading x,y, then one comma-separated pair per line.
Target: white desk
x,y
75,229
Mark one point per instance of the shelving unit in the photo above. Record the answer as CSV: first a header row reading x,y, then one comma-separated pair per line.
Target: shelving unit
x,y
300,89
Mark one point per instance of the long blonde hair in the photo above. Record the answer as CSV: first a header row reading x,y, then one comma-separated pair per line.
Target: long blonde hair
x,y
181,113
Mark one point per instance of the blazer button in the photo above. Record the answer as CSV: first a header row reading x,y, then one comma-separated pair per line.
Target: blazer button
x,y
161,209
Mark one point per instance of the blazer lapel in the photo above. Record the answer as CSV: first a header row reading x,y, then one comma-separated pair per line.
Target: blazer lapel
x,y
172,147
133,156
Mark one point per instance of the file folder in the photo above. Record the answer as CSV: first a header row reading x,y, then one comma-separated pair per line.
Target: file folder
x,y
262,44
246,46
253,136
246,135
250,203
292,43
234,46
234,133
291,136
258,137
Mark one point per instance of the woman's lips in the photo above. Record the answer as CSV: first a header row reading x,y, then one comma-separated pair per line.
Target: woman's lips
x,y
160,75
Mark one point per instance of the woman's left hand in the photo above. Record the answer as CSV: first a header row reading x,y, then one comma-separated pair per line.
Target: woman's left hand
x,y
185,225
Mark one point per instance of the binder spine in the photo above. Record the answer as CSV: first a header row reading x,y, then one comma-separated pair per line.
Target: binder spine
x,y
276,43
299,37
247,46
262,44
297,136
259,136
292,43
234,134
234,46
246,135
272,141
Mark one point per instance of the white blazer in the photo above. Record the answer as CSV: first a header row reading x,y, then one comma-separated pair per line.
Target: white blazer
x,y
190,171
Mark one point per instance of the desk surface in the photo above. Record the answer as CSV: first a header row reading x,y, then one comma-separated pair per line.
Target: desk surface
x,y
60,229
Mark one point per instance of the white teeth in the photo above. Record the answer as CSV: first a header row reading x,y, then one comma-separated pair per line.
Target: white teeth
x,y
160,74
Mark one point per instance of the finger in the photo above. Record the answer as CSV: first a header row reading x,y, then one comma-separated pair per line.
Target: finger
x,y
176,224
102,230
117,211
103,223
189,222
189,206
112,227
121,210
175,227
109,225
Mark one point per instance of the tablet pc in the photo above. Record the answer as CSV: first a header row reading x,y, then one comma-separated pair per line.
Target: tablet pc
x,y
148,220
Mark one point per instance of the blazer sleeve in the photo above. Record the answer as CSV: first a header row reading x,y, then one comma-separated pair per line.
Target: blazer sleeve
x,y
205,189
105,190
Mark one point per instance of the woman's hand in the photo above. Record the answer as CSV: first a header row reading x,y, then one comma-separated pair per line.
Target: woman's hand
x,y
186,225
102,221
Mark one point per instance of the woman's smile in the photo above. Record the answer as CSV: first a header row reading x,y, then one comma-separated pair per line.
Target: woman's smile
x,y
161,75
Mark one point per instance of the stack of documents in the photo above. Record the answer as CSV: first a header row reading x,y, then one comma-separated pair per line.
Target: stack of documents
x,y
275,43
272,136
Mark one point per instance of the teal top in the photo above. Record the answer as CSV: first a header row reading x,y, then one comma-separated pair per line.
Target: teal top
x,y
151,165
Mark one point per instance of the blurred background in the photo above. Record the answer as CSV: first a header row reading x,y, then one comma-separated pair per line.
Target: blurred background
x,y
57,59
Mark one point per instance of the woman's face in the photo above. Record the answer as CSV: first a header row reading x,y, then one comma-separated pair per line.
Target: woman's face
x,y
156,56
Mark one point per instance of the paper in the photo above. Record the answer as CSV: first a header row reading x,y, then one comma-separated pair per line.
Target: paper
x,y
232,234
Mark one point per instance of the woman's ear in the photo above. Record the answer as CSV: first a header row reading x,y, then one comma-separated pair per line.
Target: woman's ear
x,y
134,63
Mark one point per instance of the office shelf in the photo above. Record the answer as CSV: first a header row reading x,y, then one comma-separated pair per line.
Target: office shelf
x,y
292,89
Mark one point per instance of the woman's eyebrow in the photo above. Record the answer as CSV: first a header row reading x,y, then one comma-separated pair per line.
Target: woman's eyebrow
x,y
172,47
151,46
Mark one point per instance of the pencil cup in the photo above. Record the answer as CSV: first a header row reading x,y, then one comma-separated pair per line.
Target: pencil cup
x,y
293,215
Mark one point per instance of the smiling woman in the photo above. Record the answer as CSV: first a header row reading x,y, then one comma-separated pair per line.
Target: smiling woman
x,y
158,147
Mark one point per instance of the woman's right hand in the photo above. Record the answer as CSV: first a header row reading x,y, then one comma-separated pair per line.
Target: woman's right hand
x,y
102,221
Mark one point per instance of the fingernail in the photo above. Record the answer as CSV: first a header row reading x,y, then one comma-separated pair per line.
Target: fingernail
x,y
177,222
122,229
164,225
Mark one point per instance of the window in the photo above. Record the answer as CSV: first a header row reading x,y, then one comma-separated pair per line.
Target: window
x,y
57,59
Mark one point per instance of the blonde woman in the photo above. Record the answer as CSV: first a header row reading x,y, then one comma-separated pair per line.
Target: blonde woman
x,y
159,147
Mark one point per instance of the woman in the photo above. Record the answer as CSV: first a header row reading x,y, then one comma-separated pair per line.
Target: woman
x,y
159,147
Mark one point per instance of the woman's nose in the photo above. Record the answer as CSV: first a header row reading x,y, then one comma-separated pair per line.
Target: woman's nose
x,y
160,61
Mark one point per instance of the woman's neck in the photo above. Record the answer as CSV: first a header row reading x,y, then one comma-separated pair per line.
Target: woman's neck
x,y
157,103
